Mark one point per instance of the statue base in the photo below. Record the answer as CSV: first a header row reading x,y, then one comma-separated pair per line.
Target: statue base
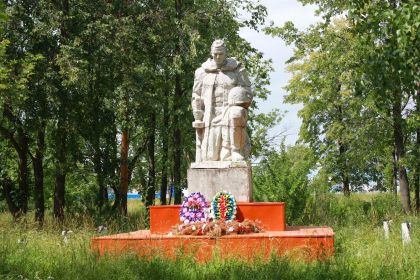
x,y
300,243
210,177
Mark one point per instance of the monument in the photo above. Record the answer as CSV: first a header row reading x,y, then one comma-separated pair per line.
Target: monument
x,y
221,97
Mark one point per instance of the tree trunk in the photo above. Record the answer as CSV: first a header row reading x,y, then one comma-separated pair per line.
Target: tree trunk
x,y
346,186
23,178
177,153
60,173
344,174
395,173
59,195
111,165
62,130
22,149
165,138
37,163
400,152
171,191
417,153
177,143
150,192
7,187
342,151
100,180
416,179
122,205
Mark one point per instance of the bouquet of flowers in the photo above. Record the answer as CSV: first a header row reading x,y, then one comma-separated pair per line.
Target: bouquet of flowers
x,y
193,208
224,206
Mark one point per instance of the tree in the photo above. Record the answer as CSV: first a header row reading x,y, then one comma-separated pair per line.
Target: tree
x,y
17,68
385,75
98,94
325,80
388,27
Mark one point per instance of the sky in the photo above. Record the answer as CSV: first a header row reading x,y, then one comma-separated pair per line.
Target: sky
x,y
280,11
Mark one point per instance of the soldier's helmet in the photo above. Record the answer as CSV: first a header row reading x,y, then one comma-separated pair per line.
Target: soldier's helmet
x,y
239,96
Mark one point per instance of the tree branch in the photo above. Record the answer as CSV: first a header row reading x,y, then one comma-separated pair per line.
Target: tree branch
x,y
9,135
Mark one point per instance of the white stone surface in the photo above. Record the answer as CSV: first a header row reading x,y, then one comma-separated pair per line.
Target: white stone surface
x,y
220,99
405,232
209,181
219,164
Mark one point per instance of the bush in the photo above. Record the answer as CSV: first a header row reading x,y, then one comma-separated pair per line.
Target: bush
x,y
283,176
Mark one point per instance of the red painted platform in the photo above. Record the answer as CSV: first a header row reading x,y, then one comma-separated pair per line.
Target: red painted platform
x,y
307,242
270,214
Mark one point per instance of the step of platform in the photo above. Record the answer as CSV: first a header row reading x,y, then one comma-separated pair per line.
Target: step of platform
x,y
307,242
270,214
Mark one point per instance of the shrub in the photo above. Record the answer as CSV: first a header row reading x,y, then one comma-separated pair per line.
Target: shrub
x,y
284,176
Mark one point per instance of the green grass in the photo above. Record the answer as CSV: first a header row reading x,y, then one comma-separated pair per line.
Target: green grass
x,y
361,251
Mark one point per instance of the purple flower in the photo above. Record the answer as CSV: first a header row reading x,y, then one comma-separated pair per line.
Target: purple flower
x,y
193,208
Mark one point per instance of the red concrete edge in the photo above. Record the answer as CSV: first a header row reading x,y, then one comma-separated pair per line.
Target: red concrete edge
x,y
304,242
291,231
270,214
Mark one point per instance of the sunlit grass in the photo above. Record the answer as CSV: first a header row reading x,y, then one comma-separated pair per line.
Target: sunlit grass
x,y
27,252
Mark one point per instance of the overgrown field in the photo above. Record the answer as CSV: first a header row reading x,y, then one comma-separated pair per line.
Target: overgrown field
x,y
361,250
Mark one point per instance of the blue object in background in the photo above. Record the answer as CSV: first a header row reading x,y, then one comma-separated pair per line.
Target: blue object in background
x,y
111,196
133,196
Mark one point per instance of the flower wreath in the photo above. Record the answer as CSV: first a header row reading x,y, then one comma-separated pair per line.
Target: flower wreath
x,y
224,206
193,208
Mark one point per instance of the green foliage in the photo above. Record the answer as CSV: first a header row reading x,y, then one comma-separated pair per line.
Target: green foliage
x,y
74,76
284,176
355,72
259,126
81,195
325,81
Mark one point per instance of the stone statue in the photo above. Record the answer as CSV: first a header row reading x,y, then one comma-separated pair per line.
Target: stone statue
x,y
220,100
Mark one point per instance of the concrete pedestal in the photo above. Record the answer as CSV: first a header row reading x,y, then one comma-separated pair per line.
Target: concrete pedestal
x,y
209,178
309,243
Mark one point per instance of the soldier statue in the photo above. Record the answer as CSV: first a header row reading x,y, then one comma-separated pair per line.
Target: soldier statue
x,y
220,100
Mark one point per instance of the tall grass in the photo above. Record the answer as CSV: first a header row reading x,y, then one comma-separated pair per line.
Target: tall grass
x,y
361,251
360,208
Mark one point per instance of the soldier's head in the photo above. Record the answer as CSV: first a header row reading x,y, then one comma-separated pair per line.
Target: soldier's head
x,y
218,52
